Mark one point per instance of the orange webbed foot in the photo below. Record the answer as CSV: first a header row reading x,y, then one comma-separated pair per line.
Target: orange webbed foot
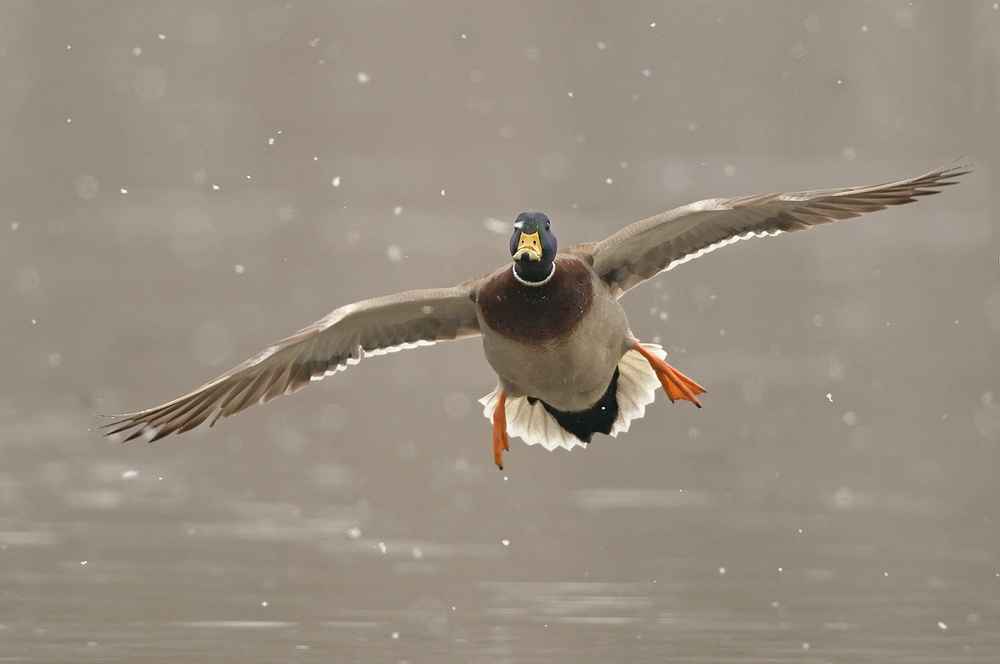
x,y
500,441
675,384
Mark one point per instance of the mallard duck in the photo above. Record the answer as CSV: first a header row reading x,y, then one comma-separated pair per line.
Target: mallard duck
x,y
568,366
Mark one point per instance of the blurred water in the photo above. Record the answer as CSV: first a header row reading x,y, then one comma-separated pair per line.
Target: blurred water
x,y
621,574
185,183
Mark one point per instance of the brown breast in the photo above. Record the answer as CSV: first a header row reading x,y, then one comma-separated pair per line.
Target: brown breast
x,y
543,315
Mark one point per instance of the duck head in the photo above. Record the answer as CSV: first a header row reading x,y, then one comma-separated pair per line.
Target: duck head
x,y
533,247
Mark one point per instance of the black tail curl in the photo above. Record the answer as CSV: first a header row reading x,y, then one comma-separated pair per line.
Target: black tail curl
x,y
599,418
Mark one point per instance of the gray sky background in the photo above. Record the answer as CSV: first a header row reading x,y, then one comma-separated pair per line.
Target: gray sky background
x,y
182,183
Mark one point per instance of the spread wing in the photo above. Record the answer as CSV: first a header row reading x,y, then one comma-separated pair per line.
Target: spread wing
x,y
343,337
646,248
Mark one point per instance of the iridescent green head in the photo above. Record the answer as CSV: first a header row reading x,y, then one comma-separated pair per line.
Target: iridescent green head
x,y
533,247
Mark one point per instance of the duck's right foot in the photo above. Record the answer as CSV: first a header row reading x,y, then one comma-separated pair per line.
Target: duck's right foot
x,y
500,441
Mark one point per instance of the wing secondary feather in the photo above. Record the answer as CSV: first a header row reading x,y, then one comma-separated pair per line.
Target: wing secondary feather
x,y
646,248
343,337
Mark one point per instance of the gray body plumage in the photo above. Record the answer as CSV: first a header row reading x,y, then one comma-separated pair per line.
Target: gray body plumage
x,y
573,373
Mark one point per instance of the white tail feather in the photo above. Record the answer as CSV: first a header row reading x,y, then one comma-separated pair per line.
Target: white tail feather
x,y
534,425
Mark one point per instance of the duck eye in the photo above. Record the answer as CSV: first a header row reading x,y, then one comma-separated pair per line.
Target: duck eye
x,y
546,226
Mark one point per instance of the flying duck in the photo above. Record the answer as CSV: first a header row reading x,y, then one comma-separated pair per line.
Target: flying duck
x,y
567,364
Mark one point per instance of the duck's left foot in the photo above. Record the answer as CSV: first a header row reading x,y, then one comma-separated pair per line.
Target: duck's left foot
x,y
500,441
675,384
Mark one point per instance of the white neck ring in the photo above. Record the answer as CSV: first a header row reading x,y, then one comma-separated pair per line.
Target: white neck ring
x,y
534,283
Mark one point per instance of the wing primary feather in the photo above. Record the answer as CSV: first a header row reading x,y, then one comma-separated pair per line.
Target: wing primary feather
x,y
241,398
277,388
182,414
194,417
